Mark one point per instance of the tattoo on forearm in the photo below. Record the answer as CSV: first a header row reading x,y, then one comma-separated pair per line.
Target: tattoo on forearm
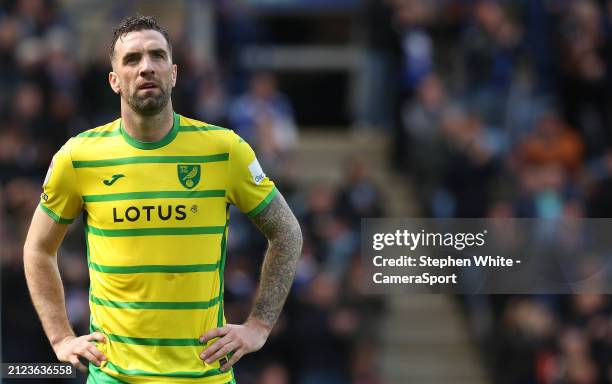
x,y
281,228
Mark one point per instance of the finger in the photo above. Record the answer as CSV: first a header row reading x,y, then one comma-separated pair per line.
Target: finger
x,y
96,352
235,357
227,348
74,360
215,332
215,347
90,356
95,336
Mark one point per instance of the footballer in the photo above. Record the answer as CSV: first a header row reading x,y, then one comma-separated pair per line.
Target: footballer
x,y
154,188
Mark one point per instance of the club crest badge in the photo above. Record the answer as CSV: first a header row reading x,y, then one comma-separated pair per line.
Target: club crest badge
x,y
189,175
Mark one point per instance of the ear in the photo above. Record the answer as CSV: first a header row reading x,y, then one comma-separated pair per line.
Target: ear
x,y
174,69
113,80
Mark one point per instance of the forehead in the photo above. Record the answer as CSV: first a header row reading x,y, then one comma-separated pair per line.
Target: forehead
x,y
140,41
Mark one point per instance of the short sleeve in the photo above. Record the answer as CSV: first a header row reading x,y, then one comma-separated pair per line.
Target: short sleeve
x,y
61,198
249,188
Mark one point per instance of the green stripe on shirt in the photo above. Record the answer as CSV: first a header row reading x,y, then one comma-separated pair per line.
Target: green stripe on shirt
x,y
182,128
150,160
154,195
138,372
113,133
124,269
166,305
222,273
172,231
204,128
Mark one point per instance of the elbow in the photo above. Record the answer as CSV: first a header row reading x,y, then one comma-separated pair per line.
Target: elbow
x,y
27,252
298,238
33,255
28,260
30,250
290,237
29,257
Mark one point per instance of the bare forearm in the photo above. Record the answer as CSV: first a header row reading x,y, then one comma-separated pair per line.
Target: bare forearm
x,y
277,275
285,246
47,294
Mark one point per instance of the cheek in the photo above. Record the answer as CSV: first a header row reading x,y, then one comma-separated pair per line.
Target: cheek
x,y
169,77
125,82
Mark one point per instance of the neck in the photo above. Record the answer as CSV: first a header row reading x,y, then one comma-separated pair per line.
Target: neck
x,y
147,128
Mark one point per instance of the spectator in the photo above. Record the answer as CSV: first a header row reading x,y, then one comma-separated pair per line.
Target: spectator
x,y
422,119
264,117
489,46
585,93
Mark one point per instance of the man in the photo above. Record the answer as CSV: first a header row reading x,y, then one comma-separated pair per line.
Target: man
x,y
155,188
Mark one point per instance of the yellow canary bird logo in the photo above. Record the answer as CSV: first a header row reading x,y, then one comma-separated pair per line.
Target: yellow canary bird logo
x,y
189,175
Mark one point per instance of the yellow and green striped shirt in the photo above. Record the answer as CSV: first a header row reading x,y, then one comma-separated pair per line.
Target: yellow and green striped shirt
x,y
156,218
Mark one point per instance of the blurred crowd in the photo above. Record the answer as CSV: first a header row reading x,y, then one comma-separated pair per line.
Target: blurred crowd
x,y
504,109
496,109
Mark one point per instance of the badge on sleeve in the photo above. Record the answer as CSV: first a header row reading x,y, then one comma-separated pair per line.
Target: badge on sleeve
x,y
48,176
256,172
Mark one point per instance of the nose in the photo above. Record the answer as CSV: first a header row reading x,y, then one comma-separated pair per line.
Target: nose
x,y
146,67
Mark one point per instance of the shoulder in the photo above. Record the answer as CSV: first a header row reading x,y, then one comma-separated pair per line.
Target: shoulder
x,y
91,139
192,125
106,130
195,130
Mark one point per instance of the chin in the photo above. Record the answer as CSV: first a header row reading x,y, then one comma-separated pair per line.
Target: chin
x,y
150,111
148,105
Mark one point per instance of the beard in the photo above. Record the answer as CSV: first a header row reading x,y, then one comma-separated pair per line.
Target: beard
x,y
148,105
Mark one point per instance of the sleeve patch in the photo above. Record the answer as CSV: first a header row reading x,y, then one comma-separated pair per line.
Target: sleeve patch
x,y
48,175
256,172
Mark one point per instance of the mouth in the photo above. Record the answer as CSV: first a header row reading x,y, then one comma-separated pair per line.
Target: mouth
x,y
147,85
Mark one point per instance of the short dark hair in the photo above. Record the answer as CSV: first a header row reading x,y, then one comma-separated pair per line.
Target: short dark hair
x,y
137,23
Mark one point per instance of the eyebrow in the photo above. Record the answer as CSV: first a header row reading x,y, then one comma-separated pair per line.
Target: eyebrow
x,y
159,50
129,55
